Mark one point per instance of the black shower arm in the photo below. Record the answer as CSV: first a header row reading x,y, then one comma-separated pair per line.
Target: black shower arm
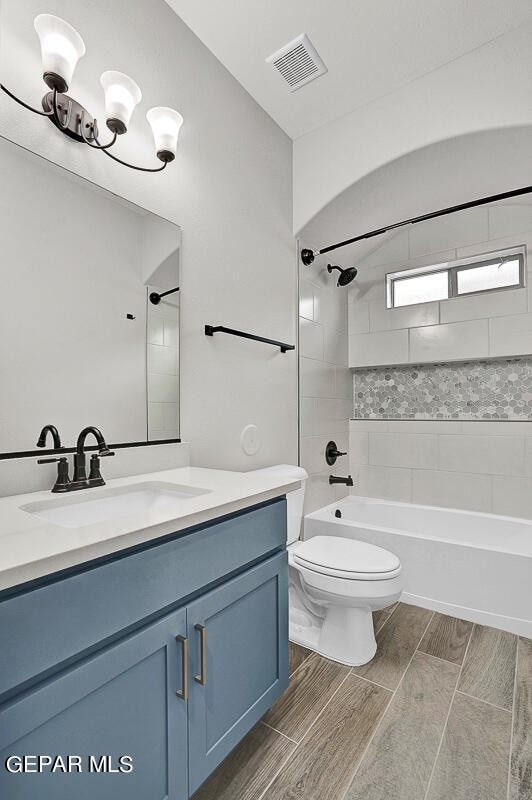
x,y
155,297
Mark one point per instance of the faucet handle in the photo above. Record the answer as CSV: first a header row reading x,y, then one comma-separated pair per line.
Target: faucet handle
x,y
332,453
106,453
62,481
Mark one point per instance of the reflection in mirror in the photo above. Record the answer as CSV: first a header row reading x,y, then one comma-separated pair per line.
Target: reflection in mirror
x,y
80,342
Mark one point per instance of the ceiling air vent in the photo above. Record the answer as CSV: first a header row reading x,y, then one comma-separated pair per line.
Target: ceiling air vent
x,y
298,62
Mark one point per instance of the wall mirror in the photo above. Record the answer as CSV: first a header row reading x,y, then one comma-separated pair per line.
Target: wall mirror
x,y
81,343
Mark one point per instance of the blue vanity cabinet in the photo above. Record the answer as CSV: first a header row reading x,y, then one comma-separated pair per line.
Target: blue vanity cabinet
x,y
99,663
120,702
238,661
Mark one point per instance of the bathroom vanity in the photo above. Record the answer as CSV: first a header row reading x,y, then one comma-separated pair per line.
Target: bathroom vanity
x,y
147,664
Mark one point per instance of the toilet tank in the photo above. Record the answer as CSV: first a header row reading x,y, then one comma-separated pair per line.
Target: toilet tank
x,y
294,500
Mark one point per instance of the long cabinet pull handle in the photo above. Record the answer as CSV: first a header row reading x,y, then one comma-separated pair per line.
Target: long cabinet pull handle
x,y
202,677
183,693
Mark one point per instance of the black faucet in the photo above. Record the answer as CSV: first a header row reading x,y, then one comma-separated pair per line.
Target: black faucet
x,y
348,481
41,441
79,479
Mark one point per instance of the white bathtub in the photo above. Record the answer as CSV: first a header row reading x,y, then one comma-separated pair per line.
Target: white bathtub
x,y
466,564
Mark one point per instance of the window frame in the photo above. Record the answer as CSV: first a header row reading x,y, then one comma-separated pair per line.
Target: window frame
x,y
452,268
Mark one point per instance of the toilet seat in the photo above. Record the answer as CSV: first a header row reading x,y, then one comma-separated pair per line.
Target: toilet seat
x,y
349,559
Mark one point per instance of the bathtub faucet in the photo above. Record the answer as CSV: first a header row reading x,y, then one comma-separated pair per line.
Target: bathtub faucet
x,y
348,481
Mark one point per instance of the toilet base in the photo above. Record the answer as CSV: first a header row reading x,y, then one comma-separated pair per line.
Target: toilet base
x,y
338,626
345,635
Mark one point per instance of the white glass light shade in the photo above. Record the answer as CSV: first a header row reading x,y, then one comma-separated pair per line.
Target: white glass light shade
x,y
165,124
61,49
121,96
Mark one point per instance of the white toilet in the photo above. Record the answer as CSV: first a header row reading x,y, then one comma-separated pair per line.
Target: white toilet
x,y
335,585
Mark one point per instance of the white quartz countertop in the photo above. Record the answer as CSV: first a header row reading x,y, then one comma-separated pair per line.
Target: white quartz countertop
x,y
32,547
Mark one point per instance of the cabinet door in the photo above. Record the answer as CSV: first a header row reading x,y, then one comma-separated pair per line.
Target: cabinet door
x,y
238,645
119,702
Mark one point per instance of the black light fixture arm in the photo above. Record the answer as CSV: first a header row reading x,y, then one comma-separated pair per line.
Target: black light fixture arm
x,y
308,256
132,166
25,105
93,127
74,121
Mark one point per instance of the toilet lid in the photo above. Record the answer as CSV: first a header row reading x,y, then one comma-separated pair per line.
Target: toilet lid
x,y
334,555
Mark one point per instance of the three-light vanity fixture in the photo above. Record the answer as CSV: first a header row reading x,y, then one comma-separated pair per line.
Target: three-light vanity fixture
x,y
61,49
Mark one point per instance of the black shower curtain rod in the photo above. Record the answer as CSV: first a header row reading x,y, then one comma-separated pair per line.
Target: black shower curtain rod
x,y
307,256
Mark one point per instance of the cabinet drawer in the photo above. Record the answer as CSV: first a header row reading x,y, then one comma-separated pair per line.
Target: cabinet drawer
x,y
49,625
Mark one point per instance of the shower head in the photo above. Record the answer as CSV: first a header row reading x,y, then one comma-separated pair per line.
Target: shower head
x,y
346,275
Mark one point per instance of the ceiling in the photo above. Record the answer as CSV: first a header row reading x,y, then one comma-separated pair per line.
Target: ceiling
x,y
370,48
437,176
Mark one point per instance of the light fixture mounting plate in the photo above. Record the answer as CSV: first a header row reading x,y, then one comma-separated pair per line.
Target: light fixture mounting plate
x,y
70,109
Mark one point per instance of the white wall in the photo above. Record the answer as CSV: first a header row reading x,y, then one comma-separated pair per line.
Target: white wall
x,y
324,380
229,188
479,326
485,90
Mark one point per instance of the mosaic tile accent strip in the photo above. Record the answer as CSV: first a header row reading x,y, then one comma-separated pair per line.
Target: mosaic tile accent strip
x,y
464,391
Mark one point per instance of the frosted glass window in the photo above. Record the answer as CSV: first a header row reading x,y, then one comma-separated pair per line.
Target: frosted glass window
x,y
488,276
421,289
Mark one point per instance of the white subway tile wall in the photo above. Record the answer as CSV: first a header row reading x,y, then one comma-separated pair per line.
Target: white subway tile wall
x,y
382,347
163,370
448,342
480,466
444,435
325,381
479,326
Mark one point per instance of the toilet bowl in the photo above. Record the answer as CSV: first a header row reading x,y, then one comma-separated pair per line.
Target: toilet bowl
x,y
345,581
335,585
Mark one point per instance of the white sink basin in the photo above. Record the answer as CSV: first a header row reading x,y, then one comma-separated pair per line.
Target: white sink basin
x,y
88,507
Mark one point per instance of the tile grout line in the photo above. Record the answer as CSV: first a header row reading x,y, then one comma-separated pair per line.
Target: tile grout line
x,y
377,726
438,658
300,665
513,719
481,700
373,683
325,706
393,691
425,629
386,620
298,744
281,767
279,732
425,797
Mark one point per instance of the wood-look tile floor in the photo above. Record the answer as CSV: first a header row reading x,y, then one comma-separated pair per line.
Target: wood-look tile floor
x,y
443,712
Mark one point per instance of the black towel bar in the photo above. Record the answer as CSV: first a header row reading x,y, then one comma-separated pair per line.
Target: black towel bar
x,y
210,330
